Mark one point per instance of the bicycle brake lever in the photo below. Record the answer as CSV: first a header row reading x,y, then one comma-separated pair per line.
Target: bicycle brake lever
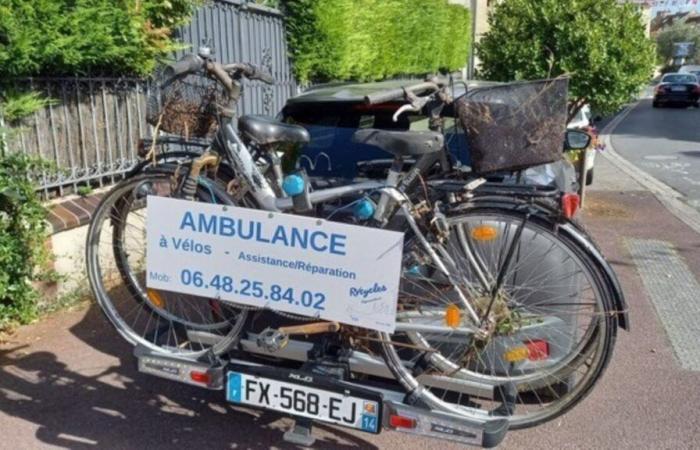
x,y
403,109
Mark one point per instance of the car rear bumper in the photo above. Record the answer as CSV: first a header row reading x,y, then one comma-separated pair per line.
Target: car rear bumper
x,y
681,97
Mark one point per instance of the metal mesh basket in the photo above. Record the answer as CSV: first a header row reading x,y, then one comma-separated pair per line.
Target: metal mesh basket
x,y
185,106
516,125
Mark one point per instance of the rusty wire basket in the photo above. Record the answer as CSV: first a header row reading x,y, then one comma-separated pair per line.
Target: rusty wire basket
x,y
516,125
186,106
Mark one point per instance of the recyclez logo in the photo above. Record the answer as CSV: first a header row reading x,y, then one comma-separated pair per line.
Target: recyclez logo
x,y
366,292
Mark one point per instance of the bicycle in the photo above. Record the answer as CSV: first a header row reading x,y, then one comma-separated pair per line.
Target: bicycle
x,y
429,262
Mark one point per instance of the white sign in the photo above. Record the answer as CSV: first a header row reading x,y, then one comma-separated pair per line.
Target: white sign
x,y
296,264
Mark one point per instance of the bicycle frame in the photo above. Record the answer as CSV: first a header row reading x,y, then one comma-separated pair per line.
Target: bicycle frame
x,y
244,165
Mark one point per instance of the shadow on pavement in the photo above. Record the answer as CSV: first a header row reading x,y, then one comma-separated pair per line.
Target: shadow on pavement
x,y
111,405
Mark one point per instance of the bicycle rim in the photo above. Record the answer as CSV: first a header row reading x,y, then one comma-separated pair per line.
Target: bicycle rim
x,y
162,321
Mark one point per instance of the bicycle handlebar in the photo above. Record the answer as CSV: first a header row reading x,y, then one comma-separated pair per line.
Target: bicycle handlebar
x,y
250,71
191,63
393,94
187,64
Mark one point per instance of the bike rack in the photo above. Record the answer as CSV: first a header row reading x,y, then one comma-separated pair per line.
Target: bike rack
x,y
481,431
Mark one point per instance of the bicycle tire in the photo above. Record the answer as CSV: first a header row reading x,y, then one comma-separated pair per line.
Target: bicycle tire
x,y
600,346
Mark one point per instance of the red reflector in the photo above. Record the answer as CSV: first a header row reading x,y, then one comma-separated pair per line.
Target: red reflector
x,y
402,422
538,349
200,377
570,204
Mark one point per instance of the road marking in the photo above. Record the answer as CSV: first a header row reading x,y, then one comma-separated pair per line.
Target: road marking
x,y
673,289
660,157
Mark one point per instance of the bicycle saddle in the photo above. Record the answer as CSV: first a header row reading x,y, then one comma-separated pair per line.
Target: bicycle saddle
x,y
401,143
265,130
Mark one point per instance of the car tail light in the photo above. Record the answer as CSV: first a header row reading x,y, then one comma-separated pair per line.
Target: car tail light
x,y
696,89
660,89
570,203
537,350
396,421
200,377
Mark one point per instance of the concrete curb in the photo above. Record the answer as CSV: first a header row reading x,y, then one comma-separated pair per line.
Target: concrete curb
x,y
669,197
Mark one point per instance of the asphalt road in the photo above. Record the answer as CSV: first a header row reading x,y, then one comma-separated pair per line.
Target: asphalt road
x,y
664,142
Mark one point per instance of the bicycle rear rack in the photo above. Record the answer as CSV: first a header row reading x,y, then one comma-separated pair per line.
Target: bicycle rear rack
x,y
482,431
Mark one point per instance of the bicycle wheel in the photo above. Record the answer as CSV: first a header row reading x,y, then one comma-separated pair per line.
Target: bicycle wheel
x,y
115,253
549,327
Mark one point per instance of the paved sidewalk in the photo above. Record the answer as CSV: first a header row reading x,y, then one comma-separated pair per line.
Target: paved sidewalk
x,y
70,381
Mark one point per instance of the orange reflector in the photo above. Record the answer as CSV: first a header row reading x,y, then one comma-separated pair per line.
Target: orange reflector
x,y
570,203
453,316
484,233
516,354
200,377
155,298
402,422
538,350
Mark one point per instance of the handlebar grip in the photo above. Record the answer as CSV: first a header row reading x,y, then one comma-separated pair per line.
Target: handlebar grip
x,y
187,64
258,73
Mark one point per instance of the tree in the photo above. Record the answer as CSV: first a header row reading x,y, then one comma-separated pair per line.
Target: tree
x,y
676,33
601,44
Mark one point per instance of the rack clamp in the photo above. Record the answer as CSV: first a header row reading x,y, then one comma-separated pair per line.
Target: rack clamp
x,y
327,358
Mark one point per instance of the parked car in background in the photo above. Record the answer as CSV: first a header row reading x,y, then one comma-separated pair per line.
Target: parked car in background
x,y
694,69
333,113
583,121
677,88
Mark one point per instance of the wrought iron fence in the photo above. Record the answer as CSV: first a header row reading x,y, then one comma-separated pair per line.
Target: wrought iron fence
x,y
91,131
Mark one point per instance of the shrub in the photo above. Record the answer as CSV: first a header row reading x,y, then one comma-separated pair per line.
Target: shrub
x,y
22,236
375,39
601,44
59,37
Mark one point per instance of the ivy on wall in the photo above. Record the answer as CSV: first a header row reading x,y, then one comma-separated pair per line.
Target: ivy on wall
x,y
375,39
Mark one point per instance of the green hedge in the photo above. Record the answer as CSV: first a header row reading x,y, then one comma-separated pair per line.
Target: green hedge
x,y
22,235
69,37
375,39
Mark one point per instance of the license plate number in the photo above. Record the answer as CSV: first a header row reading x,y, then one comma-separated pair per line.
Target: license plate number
x,y
678,88
305,401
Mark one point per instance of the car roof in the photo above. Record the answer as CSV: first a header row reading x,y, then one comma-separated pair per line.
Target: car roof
x,y
689,67
356,92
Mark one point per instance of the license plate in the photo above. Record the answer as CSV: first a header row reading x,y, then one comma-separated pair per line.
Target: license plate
x,y
305,395
678,88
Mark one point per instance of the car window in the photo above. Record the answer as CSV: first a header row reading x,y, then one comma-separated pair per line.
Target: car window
x,y
332,152
679,78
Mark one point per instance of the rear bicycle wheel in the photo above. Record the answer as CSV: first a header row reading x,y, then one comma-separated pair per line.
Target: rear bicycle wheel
x,y
551,331
161,321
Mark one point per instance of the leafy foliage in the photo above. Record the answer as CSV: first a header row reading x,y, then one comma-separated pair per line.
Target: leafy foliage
x,y
22,236
68,37
15,105
375,39
601,44
676,33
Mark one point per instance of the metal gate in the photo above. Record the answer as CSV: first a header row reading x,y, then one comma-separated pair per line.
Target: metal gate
x,y
92,131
